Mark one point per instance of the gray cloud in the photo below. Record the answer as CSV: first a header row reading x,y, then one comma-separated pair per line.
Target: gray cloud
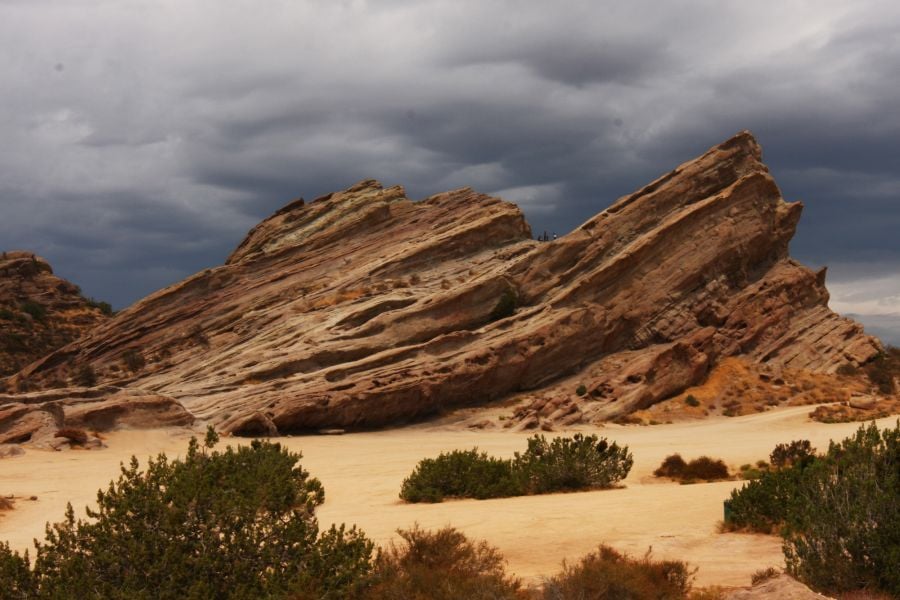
x,y
142,139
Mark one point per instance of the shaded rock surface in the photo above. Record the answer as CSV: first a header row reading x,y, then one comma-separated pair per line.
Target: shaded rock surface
x,y
365,309
39,312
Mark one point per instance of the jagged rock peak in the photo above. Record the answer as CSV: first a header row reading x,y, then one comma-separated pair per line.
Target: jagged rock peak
x,y
365,309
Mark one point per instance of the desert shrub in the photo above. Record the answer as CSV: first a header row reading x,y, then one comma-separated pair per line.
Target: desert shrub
x,y
796,452
13,342
76,436
134,360
505,307
837,513
703,468
6,314
847,369
884,369
37,311
607,573
672,466
6,503
581,390
707,469
691,401
843,531
233,524
575,463
440,565
460,473
85,376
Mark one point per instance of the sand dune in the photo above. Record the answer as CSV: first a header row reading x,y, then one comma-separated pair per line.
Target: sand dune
x,y
362,474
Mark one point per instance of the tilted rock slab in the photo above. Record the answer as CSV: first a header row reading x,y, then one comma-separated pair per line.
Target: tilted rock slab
x,y
364,309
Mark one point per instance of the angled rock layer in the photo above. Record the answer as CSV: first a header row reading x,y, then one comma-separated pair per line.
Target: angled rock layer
x,y
364,309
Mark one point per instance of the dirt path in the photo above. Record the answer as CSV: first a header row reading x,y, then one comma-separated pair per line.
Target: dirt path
x,y
362,474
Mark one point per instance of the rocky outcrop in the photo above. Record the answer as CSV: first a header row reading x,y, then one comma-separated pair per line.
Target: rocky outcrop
x,y
39,312
782,587
37,416
365,309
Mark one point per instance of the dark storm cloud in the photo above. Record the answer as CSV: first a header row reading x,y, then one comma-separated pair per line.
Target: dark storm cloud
x,y
144,138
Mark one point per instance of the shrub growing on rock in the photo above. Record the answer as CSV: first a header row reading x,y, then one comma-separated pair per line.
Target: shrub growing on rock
x,y
563,464
232,524
505,307
134,360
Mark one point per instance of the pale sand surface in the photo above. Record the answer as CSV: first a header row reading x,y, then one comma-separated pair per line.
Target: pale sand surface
x,y
362,474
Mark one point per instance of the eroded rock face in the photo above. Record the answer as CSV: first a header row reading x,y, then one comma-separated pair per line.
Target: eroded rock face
x,y
36,416
364,309
39,312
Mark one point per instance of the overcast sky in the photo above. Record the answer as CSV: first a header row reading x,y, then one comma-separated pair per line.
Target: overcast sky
x,y
141,140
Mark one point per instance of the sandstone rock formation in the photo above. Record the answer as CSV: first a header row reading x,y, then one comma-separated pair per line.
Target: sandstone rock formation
x,y
365,309
782,587
39,312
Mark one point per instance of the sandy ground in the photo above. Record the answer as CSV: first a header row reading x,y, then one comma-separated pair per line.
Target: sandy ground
x,y
362,474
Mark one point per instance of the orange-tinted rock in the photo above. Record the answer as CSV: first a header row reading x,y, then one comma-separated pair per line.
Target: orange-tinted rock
x,y
364,309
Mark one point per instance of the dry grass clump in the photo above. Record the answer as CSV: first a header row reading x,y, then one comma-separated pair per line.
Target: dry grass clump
x,y
608,573
699,469
6,503
441,565
764,575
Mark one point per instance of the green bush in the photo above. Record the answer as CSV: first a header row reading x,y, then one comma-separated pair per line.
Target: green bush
x,y
581,390
575,463
232,524
691,401
884,369
463,474
441,565
837,513
610,574
795,453
16,580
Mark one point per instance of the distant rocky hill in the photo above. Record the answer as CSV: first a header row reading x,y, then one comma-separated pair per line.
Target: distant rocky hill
x,y
365,309
39,312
